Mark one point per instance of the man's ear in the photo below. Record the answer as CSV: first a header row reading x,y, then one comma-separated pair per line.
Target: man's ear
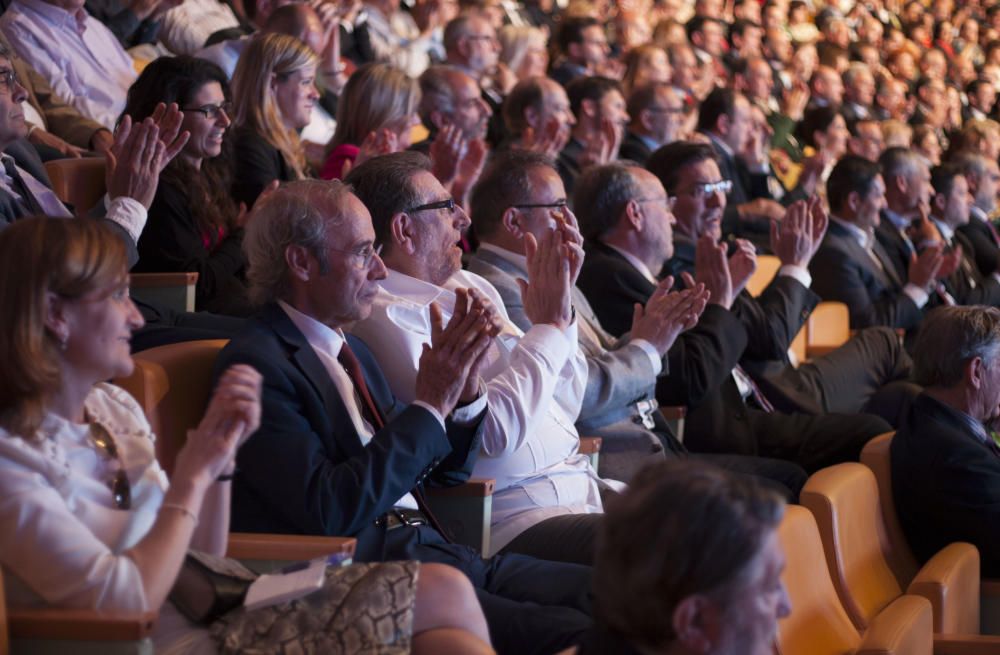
x,y
588,108
854,201
901,183
511,220
694,621
403,230
722,124
646,120
633,214
975,372
56,321
573,50
531,117
940,201
438,119
301,263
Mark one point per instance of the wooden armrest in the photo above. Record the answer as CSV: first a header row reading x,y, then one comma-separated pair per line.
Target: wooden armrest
x,y
590,445
80,625
673,412
947,644
950,581
903,627
989,587
290,547
160,280
472,488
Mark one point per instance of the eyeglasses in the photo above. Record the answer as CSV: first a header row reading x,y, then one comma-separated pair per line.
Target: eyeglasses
x,y
701,189
364,256
489,38
121,490
558,204
8,80
448,204
666,201
213,111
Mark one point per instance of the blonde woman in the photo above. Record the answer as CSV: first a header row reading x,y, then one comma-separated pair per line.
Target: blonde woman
x,y
523,51
274,93
646,64
375,115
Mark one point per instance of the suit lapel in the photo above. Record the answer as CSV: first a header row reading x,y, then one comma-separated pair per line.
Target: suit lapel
x,y
887,266
304,357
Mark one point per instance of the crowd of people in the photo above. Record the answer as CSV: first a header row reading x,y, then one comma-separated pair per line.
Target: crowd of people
x,y
446,239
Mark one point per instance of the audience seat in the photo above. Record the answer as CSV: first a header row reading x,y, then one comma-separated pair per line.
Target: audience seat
x,y
171,290
79,182
819,624
827,328
845,503
172,383
926,582
767,268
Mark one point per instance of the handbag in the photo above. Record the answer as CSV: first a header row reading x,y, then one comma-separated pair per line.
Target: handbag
x,y
209,586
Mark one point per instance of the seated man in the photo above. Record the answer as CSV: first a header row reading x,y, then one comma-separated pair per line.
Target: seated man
x,y
522,194
537,116
656,113
599,107
983,177
728,411
547,501
945,460
706,569
78,56
336,453
853,267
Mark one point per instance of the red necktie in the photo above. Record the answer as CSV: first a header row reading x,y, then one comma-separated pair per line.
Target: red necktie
x,y
352,366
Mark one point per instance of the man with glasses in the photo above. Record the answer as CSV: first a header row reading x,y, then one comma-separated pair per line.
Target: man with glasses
x,y
656,113
547,501
739,389
471,45
336,452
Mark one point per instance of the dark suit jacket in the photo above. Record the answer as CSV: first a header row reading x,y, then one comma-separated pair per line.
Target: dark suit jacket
x,y
843,271
946,484
985,249
967,284
567,163
731,170
634,149
305,470
896,246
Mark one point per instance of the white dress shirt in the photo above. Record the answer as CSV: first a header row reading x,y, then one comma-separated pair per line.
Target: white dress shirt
x,y
397,40
79,57
186,27
534,385
62,540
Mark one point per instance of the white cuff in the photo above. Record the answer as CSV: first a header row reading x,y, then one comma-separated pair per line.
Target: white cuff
x,y
129,213
654,357
468,414
916,294
800,273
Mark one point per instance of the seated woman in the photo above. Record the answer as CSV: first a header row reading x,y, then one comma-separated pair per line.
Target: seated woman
x,y
193,224
87,518
375,115
708,568
523,50
645,64
275,91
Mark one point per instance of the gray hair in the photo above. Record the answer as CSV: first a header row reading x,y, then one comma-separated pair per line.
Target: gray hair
x,y
297,214
971,163
601,194
949,338
854,71
900,162
436,92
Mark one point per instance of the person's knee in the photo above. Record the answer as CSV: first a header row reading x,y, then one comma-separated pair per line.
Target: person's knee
x,y
446,598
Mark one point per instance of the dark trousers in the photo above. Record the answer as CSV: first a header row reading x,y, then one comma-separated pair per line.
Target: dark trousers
x,y
567,538
787,478
532,606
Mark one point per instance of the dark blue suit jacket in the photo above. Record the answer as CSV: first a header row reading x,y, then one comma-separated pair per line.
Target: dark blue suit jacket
x,y
946,484
305,471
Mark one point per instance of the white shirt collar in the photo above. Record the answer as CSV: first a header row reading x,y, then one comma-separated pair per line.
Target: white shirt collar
x,y
720,143
901,222
414,290
636,263
979,213
863,238
320,337
946,230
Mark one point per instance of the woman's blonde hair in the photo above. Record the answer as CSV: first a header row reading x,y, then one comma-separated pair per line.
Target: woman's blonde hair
x,y
635,59
66,257
374,96
516,40
255,107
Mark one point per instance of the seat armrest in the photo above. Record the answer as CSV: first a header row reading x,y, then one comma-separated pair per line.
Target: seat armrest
x,y
79,625
472,488
949,644
902,628
254,546
673,412
590,445
173,290
950,581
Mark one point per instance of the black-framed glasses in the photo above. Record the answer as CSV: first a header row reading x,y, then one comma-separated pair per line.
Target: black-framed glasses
x,y
364,256
121,490
213,111
8,79
448,204
558,204
703,189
